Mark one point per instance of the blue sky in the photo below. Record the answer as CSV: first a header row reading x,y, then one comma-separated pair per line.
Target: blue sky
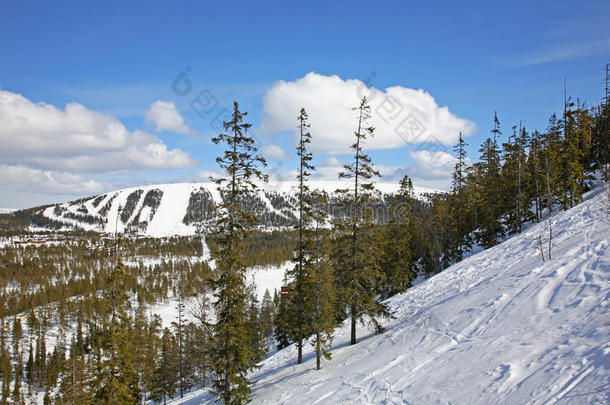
x,y
118,59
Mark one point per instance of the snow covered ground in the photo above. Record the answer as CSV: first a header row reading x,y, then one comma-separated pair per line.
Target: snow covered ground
x,y
500,327
263,277
268,278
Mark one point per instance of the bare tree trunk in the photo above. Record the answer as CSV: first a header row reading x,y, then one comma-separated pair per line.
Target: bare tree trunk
x,y
540,247
227,388
353,337
519,194
550,237
550,202
318,354
300,351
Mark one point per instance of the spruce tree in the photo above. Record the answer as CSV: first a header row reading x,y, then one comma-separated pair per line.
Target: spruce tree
x,y
203,347
535,174
282,319
114,376
459,212
512,179
357,247
300,325
490,227
599,155
73,388
165,376
552,162
6,369
266,315
397,251
233,353
319,287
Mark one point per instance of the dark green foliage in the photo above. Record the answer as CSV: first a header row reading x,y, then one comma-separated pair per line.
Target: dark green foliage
x,y
357,266
233,354
165,377
200,208
398,255
130,205
300,326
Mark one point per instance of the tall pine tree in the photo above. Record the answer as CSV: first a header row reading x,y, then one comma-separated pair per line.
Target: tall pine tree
x,y
359,272
241,164
300,325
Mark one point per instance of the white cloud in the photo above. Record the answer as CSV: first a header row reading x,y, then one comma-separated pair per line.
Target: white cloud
x,y
205,175
275,152
166,117
429,168
431,165
400,115
23,178
329,169
77,139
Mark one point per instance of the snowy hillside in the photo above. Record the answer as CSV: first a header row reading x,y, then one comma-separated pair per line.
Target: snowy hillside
x,y
501,327
183,208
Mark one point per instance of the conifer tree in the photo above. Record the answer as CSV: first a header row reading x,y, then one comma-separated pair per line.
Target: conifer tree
x,y
29,366
266,315
184,371
552,162
319,287
534,174
397,251
578,128
16,396
282,318
203,347
459,212
490,227
17,335
73,388
257,340
512,177
6,369
114,376
599,155
233,353
165,377
357,245
301,321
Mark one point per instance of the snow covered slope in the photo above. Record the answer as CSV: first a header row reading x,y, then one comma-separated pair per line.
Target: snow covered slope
x,y
183,208
501,327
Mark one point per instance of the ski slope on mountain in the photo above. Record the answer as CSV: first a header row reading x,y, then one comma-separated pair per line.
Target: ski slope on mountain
x,y
500,327
174,209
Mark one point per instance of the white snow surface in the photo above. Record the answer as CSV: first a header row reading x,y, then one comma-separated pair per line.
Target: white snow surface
x,y
500,327
268,278
263,278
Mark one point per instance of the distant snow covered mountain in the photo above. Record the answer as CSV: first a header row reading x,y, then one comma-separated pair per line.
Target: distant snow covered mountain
x,y
500,327
183,208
